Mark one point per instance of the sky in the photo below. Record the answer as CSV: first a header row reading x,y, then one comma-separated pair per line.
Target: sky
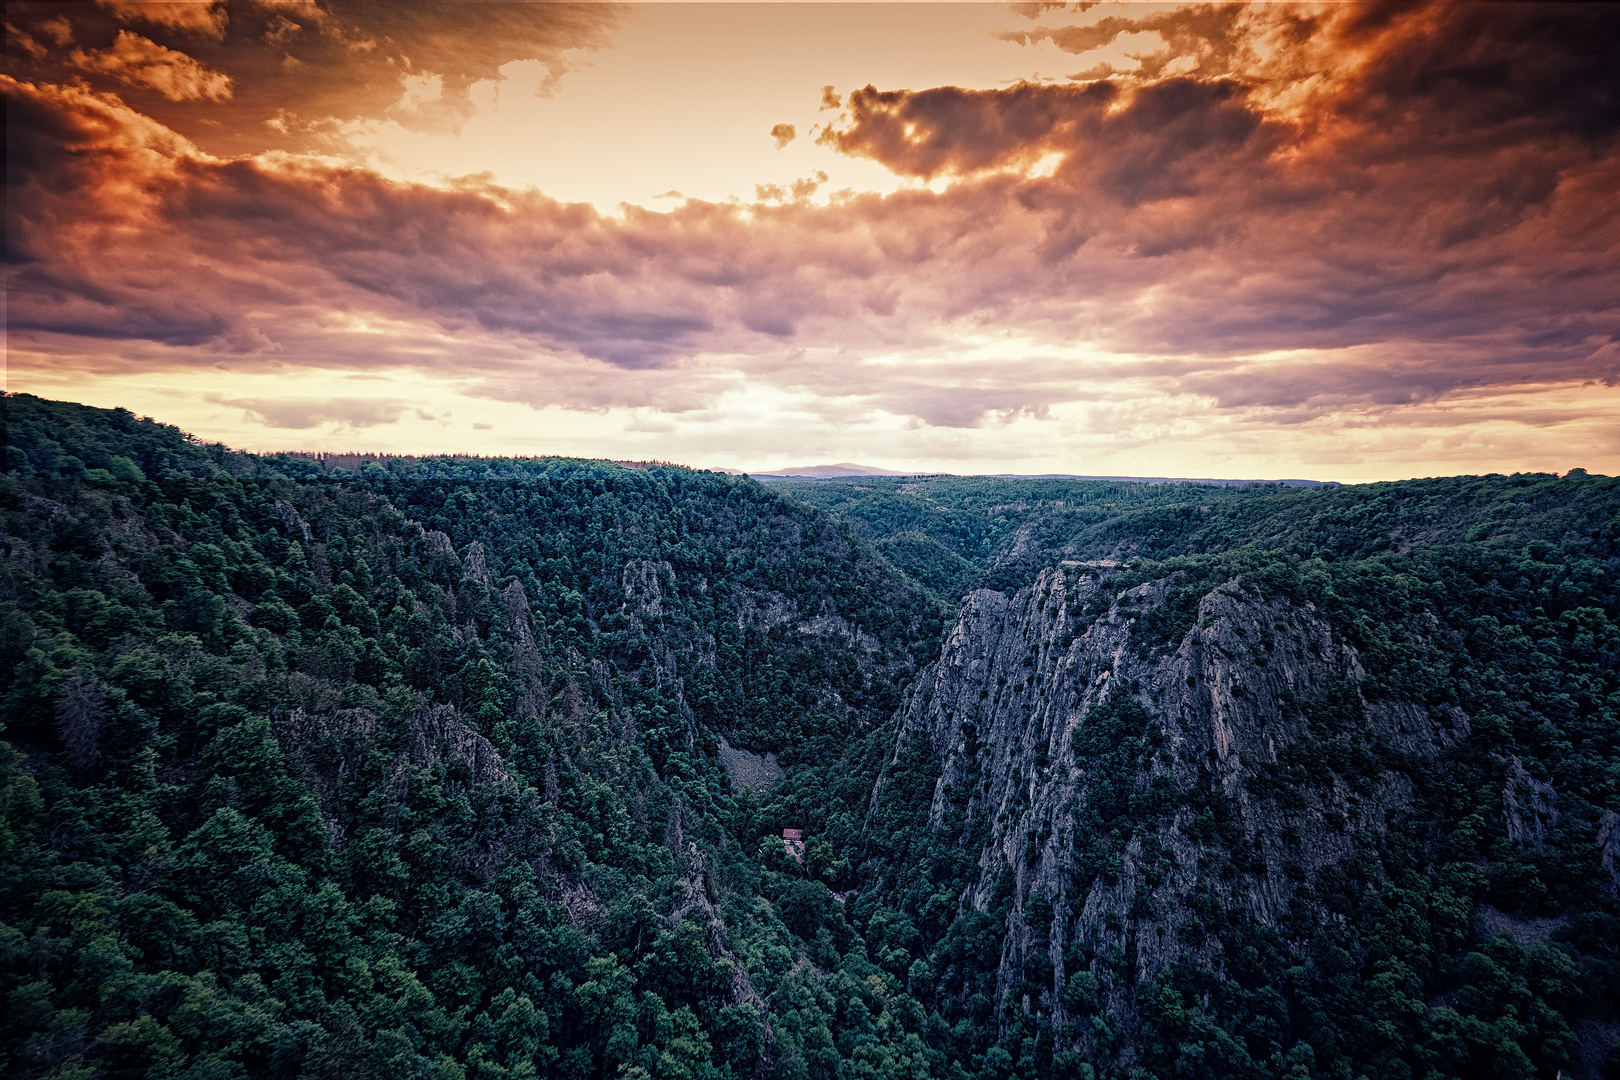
x,y
1344,241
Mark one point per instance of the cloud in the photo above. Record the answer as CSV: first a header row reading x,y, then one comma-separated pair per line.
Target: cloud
x,y
58,30
1157,143
1472,68
354,61
307,9
1209,40
1037,8
206,18
1368,215
783,134
301,414
650,425
136,61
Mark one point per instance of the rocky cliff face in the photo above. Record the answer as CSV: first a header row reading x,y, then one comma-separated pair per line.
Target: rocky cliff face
x,y
1182,763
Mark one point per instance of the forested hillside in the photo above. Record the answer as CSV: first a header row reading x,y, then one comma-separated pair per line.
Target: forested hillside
x,y
413,772
950,533
342,777
945,531
1310,783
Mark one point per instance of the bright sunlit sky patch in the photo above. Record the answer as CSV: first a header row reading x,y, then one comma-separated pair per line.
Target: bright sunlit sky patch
x,y
686,98
1155,239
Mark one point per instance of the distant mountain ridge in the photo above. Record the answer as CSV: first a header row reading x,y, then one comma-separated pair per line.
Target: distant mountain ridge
x,y
1213,481
844,470
840,470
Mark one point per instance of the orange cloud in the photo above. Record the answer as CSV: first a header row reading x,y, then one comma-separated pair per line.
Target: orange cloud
x,y
136,61
203,17
1209,40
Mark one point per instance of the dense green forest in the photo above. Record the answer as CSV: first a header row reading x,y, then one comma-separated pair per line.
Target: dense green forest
x,y
944,531
412,772
331,777
951,533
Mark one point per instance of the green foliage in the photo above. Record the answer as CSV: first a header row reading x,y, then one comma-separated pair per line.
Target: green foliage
x,y
951,533
1379,968
396,775
105,446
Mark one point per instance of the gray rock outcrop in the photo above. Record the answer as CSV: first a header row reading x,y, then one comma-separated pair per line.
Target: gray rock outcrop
x,y
1187,756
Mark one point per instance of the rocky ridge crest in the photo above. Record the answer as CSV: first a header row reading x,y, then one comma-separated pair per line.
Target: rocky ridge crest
x,y
1127,785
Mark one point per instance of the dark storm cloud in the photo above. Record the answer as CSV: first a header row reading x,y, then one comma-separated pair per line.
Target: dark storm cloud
x,y
1483,67
1157,145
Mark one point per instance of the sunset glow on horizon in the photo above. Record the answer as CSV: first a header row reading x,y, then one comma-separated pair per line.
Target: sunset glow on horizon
x,y
1337,241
